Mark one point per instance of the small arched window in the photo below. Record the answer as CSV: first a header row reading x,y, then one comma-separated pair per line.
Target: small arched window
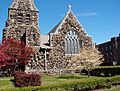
x,y
72,43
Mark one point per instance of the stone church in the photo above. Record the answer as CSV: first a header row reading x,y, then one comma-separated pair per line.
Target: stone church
x,y
65,39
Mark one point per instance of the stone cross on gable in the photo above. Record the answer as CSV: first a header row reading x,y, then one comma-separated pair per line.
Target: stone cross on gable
x,y
70,7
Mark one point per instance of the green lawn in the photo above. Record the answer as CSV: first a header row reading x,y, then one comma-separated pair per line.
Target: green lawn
x,y
8,83
111,89
59,79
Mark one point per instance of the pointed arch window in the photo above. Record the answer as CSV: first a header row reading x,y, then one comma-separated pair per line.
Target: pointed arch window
x,y
72,43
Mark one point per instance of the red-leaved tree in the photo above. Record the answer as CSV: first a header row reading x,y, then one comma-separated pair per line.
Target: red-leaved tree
x,y
14,54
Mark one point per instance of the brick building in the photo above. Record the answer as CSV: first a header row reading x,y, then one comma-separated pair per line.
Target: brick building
x,y
111,51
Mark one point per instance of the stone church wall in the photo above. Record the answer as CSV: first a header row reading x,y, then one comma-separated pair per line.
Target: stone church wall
x,y
58,43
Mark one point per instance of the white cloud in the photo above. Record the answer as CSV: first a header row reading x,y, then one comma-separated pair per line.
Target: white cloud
x,y
87,14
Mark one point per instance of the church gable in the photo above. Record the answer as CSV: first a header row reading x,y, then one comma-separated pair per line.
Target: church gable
x,y
69,21
69,35
66,39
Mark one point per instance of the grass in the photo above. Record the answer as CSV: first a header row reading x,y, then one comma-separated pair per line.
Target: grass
x,y
8,83
59,79
111,89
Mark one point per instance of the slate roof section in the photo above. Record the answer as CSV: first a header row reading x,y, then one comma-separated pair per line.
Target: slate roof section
x,y
54,29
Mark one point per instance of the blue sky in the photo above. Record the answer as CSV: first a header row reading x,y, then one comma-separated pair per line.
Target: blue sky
x,y
100,18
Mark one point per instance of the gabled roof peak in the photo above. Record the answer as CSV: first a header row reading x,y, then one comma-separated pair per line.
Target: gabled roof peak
x,y
69,15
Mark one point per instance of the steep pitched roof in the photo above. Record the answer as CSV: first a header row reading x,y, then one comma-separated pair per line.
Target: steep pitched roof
x,y
58,26
54,29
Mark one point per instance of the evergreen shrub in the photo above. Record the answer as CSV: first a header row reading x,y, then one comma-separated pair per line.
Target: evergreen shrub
x,y
76,85
105,71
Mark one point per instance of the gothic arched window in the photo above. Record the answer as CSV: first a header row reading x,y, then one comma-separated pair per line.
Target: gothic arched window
x,y
72,43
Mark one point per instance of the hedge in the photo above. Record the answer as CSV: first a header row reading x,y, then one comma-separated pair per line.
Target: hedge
x,y
22,79
86,84
106,71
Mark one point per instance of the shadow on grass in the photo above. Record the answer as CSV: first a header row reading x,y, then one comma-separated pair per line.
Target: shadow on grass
x,y
13,81
70,77
104,76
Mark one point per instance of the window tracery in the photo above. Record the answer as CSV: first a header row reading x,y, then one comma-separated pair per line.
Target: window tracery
x,y
72,42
